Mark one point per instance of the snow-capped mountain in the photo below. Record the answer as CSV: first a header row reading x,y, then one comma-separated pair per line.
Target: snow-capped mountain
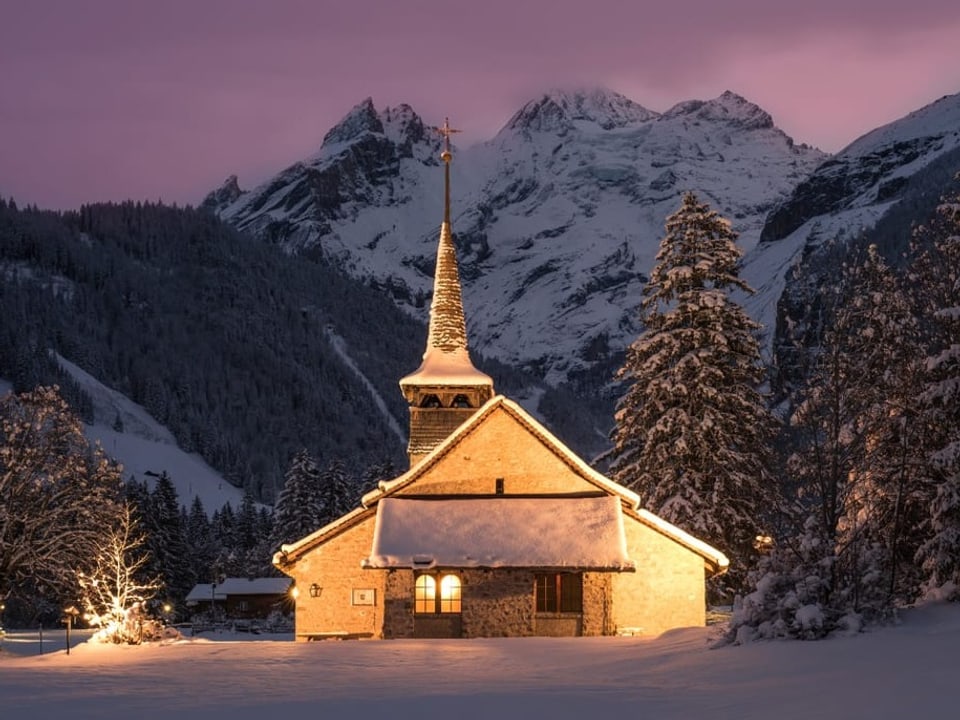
x,y
557,218
880,174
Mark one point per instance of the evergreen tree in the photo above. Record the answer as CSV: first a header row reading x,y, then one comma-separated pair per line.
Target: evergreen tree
x,y
377,473
251,556
297,510
693,433
336,493
201,546
166,540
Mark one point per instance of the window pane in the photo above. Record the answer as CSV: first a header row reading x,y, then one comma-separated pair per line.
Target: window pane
x,y
547,593
425,594
450,594
571,593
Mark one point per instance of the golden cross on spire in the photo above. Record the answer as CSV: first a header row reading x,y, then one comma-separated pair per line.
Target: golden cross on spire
x,y
446,156
446,131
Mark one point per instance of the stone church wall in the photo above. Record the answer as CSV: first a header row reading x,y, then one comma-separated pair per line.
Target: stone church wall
x,y
498,603
501,603
346,605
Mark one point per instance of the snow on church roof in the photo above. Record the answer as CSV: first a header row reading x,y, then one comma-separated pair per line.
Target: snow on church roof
x,y
544,532
716,559
447,368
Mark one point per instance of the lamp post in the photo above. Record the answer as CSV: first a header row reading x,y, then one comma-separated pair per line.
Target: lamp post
x,y
69,614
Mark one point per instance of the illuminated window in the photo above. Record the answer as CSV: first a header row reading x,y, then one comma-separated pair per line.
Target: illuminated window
x,y
425,594
559,592
450,594
426,599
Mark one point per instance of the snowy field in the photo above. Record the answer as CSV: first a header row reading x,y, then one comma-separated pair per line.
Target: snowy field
x,y
907,671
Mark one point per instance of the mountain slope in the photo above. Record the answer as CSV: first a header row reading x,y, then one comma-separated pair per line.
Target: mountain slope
x,y
557,218
871,191
223,340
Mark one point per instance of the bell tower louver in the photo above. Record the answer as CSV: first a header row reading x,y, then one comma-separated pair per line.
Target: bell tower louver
x,y
446,389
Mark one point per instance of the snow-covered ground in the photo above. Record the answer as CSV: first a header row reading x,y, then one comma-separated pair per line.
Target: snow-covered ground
x,y
905,671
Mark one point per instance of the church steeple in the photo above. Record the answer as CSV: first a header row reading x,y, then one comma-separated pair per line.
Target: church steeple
x,y
446,389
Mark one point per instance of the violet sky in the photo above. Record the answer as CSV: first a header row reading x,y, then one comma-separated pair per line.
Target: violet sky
x,y
162,99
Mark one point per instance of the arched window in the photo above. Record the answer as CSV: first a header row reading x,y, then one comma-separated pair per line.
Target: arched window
x,y
430,401
426,599
449,594
425,594
460,401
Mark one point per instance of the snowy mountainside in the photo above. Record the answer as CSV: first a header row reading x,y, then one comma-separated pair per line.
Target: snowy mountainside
x,y
557,218
848,195
145,448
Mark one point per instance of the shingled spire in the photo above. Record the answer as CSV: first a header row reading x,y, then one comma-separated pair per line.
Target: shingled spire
x,y
446,389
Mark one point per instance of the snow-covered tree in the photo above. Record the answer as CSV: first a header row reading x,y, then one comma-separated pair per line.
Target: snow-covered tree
x,y
856,469
939,274
296,513
166,539
115,591
202,546
336,492
856,428
693,433
58,495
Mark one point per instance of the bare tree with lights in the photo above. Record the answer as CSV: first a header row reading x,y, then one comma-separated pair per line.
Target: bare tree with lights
x,y
114,592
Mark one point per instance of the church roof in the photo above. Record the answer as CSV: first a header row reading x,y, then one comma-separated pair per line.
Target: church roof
x,y
584,533
716,560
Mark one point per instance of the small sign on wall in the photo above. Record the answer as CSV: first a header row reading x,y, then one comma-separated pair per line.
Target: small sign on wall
x,y
364,597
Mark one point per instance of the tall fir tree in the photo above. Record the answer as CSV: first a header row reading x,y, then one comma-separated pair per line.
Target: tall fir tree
x,y
693,433
297,510
166,540
336,492
201,544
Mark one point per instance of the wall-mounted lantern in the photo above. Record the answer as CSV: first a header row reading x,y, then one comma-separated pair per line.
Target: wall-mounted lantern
x,y
315,590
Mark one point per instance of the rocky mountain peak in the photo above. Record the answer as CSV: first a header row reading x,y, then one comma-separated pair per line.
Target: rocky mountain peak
x,y
402,125
557,111
728,107
223,195
361,119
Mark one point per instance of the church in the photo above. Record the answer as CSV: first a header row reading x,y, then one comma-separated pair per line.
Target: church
x,y
497,529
